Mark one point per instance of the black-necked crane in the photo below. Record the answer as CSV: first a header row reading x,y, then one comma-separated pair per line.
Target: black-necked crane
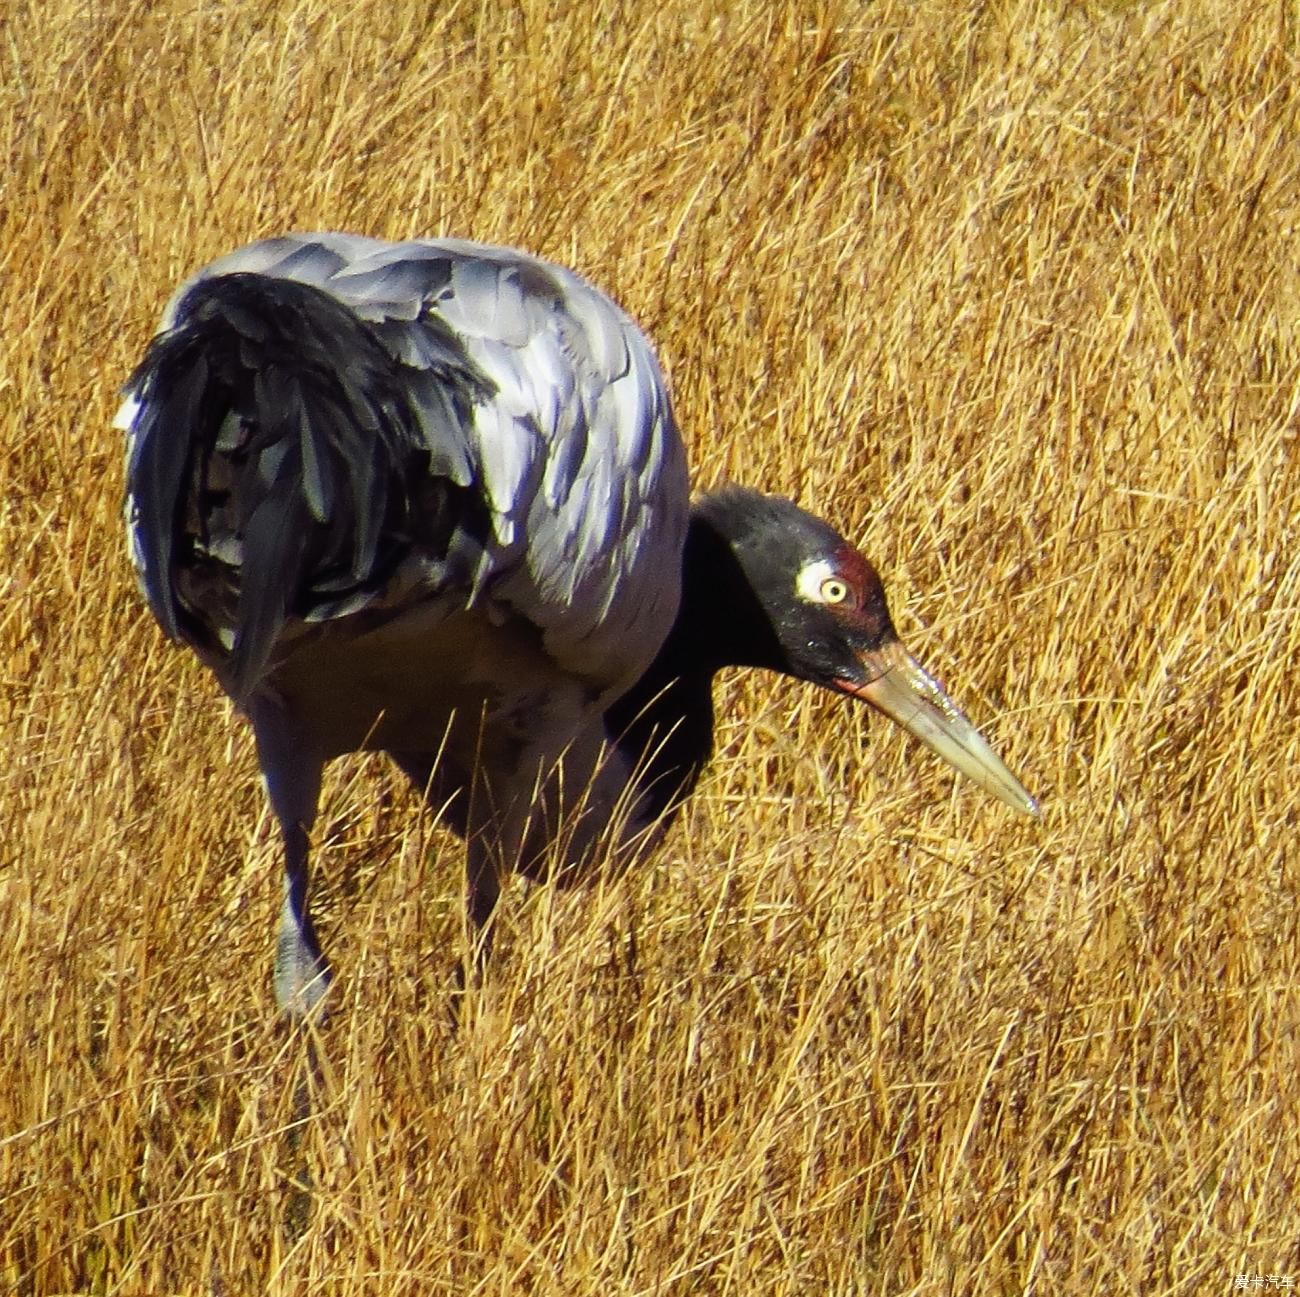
x,y
429,498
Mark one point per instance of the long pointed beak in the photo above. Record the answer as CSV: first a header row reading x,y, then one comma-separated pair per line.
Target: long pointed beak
x,y
908,694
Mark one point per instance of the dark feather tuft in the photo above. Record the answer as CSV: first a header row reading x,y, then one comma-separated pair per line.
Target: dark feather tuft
x,y
334,437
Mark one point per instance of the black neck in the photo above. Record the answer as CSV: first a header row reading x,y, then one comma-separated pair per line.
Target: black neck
x,y
663,725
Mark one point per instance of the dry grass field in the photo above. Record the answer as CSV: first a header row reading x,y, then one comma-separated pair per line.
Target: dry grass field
x,y
1007,291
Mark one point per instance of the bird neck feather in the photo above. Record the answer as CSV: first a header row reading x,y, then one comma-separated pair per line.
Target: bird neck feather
x,y
663,725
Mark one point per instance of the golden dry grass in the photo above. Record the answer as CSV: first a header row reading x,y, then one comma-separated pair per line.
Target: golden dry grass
x,y
1009,292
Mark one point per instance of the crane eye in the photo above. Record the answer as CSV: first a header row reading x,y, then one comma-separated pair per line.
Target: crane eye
x,y
833,590
819,582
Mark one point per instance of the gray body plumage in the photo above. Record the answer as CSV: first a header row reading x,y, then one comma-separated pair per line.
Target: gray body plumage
x,y
423,497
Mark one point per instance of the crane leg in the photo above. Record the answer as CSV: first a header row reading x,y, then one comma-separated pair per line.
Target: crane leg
x,y
483,890
443,798
483,866
292,773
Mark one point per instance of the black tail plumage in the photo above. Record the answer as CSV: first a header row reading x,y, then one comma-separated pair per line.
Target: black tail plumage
x,y
275,449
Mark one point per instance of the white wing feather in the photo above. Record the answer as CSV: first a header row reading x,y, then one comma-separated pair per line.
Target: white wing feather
x,y
577,456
